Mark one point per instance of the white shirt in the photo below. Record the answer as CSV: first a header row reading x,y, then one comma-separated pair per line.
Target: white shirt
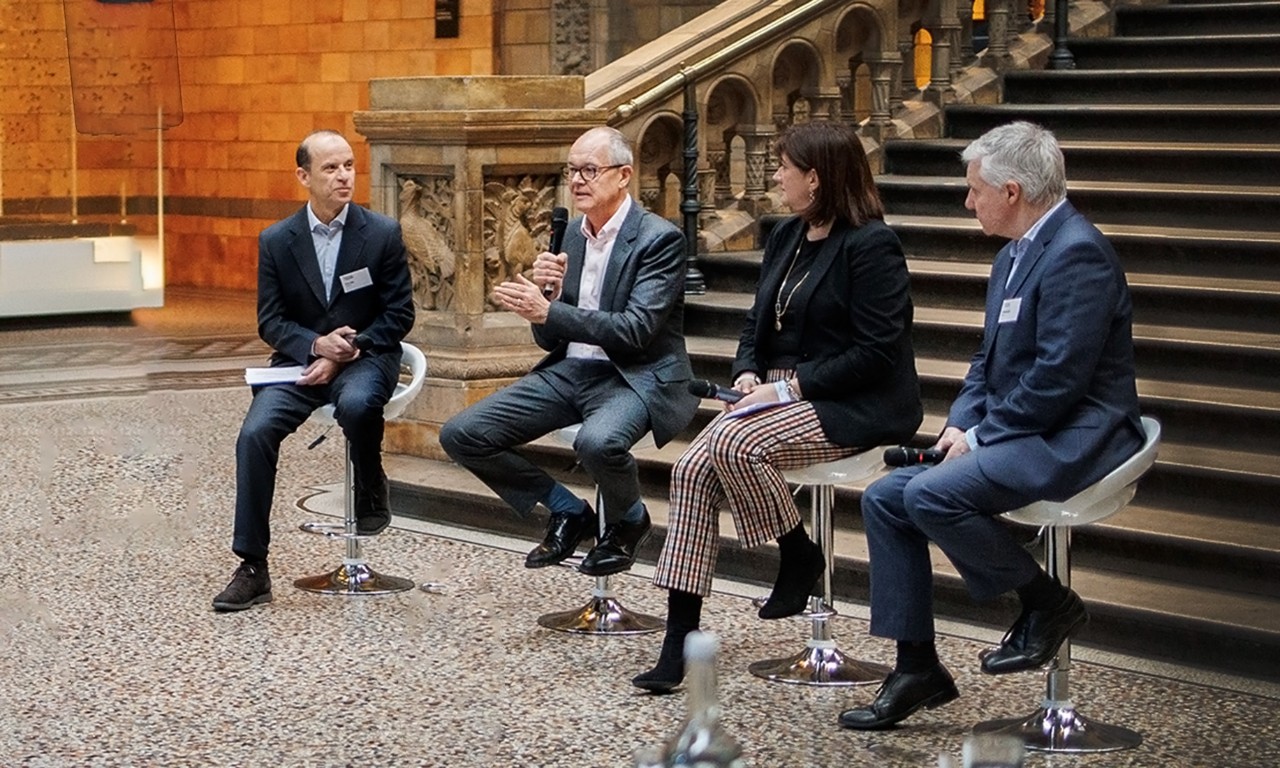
x,y
599,247
327,239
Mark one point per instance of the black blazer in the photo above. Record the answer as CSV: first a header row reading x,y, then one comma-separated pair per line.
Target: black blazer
x,y
292,310
856,361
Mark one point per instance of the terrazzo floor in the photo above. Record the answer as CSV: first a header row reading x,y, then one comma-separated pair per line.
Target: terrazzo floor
x,y
116,517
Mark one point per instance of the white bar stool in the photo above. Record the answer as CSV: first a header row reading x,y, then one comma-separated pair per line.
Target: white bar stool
x,y
603,614
354,576
821,662
1056,726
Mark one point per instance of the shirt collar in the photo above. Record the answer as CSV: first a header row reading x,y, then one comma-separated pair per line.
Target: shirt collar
x,y
340,220
1035,228
612,226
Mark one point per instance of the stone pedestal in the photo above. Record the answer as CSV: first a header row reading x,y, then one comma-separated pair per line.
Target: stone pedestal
x,y
471,167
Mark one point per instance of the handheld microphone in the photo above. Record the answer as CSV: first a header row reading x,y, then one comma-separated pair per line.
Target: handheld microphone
x,y
559,222
909,457
363,342
705,389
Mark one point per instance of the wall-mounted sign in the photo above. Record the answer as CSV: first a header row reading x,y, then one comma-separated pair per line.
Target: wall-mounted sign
x,y
446,18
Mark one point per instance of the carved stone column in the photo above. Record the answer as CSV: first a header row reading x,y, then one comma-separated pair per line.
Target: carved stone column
x,y
471,166
757,141
906,81
844,83
824,104
718,159
707,196
943,31
884,71
998,34
965,9
781,121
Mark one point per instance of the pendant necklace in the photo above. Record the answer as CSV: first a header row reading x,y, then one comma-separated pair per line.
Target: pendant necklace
x,y
780,309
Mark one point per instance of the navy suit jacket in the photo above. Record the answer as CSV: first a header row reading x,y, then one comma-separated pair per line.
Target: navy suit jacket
x,y
856,365
640,323
292,309
1052,391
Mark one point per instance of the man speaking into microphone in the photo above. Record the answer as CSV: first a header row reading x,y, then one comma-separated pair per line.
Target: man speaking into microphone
x,y
609,312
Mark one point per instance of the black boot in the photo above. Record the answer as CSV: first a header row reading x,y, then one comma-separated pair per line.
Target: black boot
x,y
684,614
800,565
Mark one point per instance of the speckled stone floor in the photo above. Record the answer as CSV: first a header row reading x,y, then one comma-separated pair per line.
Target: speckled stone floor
x,y
116,516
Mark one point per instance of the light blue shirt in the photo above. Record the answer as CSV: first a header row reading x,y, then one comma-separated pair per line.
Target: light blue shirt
x,y
327,239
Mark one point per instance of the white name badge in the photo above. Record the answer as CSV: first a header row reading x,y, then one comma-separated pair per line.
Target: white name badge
x,y
354,281
1009,310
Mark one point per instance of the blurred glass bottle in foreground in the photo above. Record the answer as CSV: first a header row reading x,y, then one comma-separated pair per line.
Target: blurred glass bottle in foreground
x,y
702,742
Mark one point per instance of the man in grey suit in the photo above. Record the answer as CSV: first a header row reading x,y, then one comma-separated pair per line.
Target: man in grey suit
x,y
612,326
334,296
1048,407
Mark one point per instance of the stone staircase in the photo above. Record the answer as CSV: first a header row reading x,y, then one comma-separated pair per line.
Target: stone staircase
x,y
1172,138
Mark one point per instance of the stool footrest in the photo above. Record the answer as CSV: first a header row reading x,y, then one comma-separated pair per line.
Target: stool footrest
x,y
1058,728
353,579
602,616
332,531
820,665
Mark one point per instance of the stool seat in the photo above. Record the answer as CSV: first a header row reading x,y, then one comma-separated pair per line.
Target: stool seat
x,y
354,576
1056,726
821,662
603,614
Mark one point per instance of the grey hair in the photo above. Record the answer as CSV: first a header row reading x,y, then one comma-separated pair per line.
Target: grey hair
x,y
619,146
1024,153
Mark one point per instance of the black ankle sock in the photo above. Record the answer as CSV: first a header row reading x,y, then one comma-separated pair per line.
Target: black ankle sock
x,y
684,610
916,657
793,543
1042,593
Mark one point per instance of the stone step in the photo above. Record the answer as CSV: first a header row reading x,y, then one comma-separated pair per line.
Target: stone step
x,y
1254,208
1198,18
1143,86
1168,51
1222,630
1209,253
1212,123
1168,162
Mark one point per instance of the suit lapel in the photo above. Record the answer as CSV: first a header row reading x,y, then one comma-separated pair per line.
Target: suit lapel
x,y
303,248
623,246
1037,246
575,245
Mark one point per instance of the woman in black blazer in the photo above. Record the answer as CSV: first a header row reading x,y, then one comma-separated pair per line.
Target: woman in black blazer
x,y
826,367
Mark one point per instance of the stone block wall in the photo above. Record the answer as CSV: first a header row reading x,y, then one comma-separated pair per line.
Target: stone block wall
x,y
254,76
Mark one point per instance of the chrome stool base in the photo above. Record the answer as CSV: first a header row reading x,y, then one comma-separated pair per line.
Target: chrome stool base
x,y
1058,727
820,665
602,615
353,579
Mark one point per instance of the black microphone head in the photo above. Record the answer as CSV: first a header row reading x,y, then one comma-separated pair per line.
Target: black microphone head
x,y
702,388
363,342
559,217
559,221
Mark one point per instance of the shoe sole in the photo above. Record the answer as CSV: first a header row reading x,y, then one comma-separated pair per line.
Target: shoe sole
x,y
933,702
656,686
229,607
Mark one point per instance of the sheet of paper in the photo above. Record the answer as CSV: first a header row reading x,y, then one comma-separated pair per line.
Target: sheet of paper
x,y
738,413
280,374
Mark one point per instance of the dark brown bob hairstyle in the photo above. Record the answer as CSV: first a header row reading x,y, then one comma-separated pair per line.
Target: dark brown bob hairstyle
x,y
846,189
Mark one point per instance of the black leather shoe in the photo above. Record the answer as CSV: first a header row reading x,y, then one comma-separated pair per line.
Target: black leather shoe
x,y
564,533
616,552
250,585
1035,637
902,694
373,508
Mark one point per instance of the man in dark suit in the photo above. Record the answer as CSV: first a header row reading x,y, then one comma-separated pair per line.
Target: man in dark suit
x,y
334,296
1048,407
616,362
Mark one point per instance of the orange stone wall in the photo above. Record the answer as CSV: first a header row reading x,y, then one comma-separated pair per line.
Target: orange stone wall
x,y
255,76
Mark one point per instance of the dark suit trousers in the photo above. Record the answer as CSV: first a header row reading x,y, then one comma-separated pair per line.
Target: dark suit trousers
x,y
953,505
358,393
570,391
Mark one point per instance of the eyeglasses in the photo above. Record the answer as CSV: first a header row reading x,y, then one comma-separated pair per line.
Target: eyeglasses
x,y
588,173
